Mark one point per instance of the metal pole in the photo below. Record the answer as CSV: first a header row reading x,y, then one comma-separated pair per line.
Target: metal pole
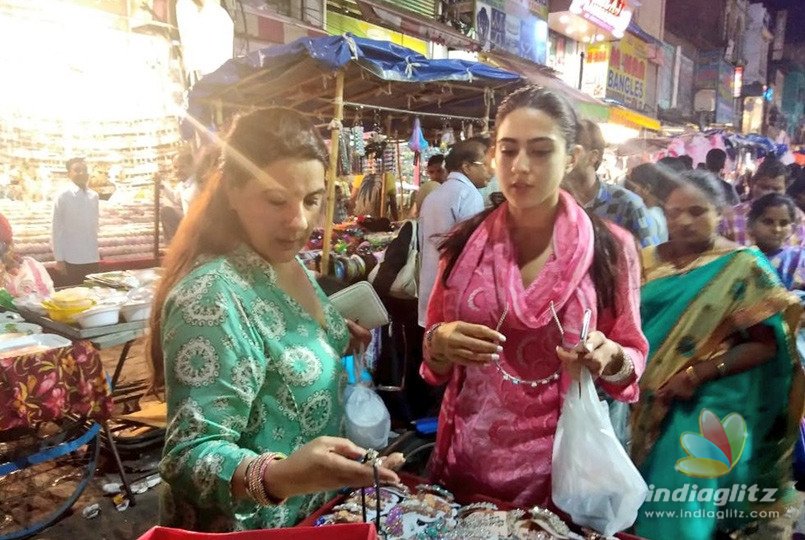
x,y
157,209
335,136
581,69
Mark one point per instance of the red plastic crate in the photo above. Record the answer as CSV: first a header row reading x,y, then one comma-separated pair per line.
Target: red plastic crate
x,y
347,531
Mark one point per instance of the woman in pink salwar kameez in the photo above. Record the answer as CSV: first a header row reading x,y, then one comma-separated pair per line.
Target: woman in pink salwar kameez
x,y
490,332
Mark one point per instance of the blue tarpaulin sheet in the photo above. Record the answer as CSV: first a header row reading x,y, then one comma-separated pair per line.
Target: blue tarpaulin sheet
x,y
386,61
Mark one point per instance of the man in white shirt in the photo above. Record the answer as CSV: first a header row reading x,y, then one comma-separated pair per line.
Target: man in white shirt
x,y
175,201
456,200
74,235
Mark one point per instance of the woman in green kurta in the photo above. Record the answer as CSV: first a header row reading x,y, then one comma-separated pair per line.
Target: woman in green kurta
x,y
721,397
249,345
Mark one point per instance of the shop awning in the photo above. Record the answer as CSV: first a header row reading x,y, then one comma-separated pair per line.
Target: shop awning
x,y
376,74
633,119
586,105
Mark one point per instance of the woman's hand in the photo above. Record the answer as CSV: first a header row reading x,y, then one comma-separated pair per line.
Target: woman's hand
x,y
680,387
466,344
358,335
324,464
596,354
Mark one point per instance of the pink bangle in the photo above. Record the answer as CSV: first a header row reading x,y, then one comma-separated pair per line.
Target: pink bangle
x,y
274,458
255,479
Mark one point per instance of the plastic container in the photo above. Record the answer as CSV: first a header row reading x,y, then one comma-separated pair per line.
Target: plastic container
x,y
98,316
64,314
22,328
136,312
41,341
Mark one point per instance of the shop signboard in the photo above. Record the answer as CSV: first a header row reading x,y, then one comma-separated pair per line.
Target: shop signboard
x,y
611,15
626,77
707,70
596,63
512,26
665,88
338,24
725,100
685,96
713,72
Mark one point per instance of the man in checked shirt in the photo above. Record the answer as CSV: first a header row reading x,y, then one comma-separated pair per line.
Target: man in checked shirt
x,y
769,178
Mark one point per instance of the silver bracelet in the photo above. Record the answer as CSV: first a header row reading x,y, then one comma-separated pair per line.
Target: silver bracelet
x,y
626,370
429,335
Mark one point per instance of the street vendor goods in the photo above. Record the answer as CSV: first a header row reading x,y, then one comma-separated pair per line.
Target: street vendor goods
x,y
430,511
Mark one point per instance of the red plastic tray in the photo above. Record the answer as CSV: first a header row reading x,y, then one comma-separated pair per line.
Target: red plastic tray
x,y
347,531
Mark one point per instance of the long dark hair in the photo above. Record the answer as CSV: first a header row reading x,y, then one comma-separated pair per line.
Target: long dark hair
x,y
605,257
211,227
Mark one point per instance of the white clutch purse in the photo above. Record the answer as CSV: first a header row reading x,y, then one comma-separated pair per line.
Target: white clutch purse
x,y
361,304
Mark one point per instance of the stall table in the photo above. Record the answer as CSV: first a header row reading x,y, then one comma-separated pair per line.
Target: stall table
x,y
104,337
64,388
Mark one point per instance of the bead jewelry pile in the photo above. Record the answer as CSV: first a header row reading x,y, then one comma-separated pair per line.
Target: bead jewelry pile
x,y
429,512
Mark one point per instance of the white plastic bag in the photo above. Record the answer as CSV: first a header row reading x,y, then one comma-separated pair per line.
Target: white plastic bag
x,y
367,420
593,478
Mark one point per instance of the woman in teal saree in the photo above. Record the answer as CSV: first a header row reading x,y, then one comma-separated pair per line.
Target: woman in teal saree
x,y
721,397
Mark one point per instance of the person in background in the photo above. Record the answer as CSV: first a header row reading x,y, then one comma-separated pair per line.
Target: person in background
x,y
340,213
797,192
721,330
456,200
715,161
74,229
646,180
771,219
672,163
489,316
607,201
436,177
770,177
20,275
686,161
249,347
376,192
183,173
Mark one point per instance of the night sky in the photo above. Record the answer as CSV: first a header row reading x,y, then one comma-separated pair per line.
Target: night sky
x,y
795,29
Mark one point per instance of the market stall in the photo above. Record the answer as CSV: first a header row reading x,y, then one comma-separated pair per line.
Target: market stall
x,y
337,78
58,405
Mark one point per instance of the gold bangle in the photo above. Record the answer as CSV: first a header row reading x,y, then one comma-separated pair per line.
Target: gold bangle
x,y
626,370
693,376
721,367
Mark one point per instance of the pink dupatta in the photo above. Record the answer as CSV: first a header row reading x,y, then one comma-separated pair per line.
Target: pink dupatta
x,y
496,438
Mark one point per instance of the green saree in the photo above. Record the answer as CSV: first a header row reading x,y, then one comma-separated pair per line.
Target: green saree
x,y
722,469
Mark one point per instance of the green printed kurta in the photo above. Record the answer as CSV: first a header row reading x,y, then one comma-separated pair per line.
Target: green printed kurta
x,y
247,371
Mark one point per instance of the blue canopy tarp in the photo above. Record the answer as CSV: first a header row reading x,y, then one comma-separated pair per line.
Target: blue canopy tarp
x,y
381,73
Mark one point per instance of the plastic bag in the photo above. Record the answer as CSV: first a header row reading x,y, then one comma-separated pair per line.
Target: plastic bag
x,y
594,480
368,422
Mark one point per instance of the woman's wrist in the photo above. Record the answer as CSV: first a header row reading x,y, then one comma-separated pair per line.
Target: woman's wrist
x,y
430,337
276,483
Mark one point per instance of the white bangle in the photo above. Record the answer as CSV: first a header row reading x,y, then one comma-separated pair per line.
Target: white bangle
x,y
626,370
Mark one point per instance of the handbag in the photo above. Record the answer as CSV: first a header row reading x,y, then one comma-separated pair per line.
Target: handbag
x,y
406,283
